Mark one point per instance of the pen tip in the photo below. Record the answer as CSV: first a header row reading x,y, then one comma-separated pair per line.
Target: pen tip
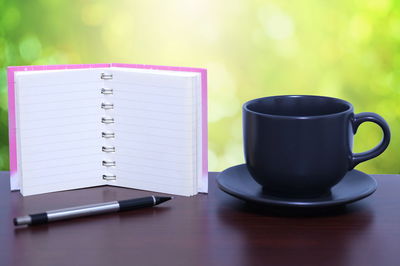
x,y
162,199
15,221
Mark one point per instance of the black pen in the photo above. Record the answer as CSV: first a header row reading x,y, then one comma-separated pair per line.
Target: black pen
x,y
88,210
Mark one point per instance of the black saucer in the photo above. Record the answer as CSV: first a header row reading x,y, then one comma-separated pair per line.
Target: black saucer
x,y
238,182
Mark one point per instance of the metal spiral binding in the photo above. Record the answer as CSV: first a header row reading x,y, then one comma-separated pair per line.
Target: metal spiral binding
x,y
109,177
107,120
106,106
107,91
108,149
108,135
106,76
108,163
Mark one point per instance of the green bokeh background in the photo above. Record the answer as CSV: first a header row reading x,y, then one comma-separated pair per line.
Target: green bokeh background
x,y
347,49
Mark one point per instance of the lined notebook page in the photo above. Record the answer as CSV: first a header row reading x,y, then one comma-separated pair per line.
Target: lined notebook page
x,y
58,129
155,118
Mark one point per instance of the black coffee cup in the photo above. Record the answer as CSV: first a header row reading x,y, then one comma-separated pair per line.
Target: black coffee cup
x,y
301,145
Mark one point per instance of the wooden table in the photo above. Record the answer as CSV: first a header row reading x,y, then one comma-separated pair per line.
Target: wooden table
x,y
213,229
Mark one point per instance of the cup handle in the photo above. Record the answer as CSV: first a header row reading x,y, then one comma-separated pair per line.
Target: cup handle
x,y
360,118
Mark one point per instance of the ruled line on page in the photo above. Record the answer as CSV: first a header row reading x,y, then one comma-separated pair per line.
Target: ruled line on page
x,y
41,110
52,85
155,135
54,126
183,113
81,91
66,133
63,101
154,110
156,153
47,118
147,142
182,93
157,142
64,174
162,163
55,166
135,149
152,85
179,101
150,158
168,178
83,155
171,123
152,102
37,148
171,126
130,166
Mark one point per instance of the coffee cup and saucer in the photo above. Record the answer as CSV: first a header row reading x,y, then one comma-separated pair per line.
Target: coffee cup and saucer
x,y
298,153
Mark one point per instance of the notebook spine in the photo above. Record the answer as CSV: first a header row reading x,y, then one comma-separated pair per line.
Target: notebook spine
x,y
108,134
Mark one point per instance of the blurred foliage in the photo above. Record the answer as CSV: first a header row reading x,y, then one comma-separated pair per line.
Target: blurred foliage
x,y
346,49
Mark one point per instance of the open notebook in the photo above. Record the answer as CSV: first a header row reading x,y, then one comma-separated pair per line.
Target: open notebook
x,y
135,126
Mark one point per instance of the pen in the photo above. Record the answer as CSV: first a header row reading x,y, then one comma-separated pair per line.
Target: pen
x,y
88,210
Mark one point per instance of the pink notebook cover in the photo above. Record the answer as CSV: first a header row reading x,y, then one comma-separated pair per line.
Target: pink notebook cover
x,y
11,107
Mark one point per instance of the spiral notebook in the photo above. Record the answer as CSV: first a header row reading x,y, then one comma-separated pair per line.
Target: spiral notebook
x,y
134,126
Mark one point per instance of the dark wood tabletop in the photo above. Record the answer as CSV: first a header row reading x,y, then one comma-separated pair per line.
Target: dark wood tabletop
x,y
212,229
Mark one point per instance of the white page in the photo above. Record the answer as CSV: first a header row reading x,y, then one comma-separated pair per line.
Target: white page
x,y
155,118
59,129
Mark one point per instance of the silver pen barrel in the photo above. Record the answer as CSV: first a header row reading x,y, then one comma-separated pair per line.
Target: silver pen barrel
x,y
81,211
